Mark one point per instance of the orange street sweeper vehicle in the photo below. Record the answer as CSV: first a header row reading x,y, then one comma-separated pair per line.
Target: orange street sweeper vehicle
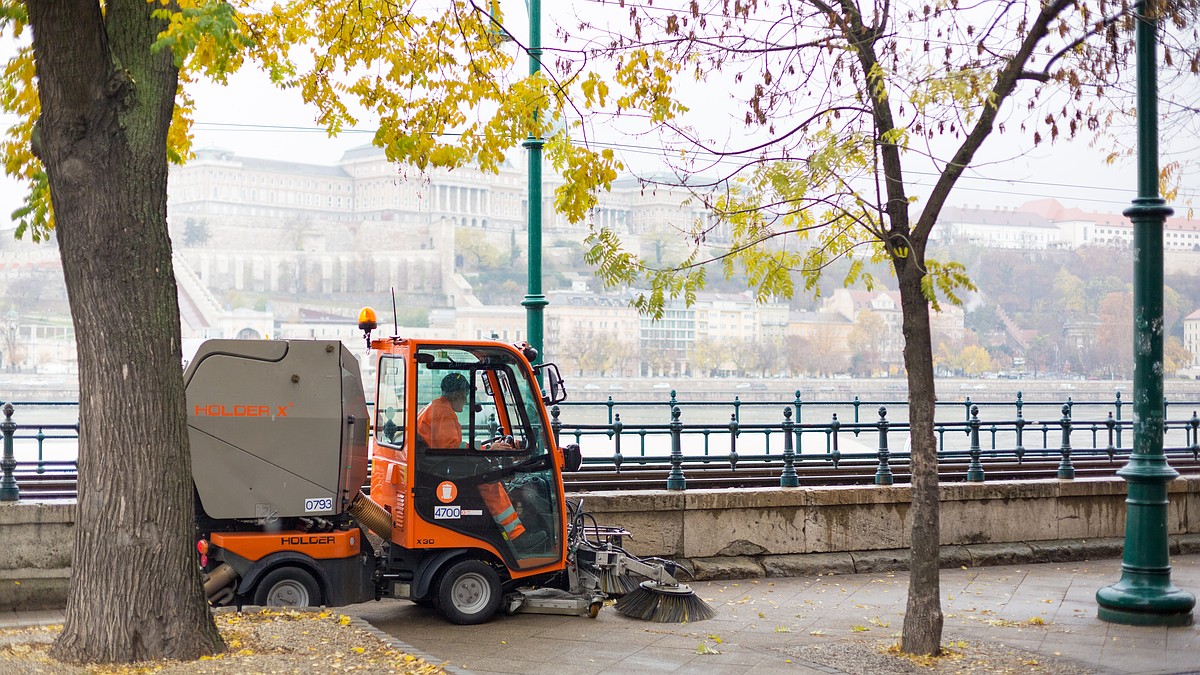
x,y
466,506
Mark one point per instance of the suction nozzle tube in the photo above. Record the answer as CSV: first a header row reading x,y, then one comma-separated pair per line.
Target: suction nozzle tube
x,y
374,516
217,582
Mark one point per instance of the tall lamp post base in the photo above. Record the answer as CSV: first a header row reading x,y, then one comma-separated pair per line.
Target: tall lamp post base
x,y
1145,596
1133,617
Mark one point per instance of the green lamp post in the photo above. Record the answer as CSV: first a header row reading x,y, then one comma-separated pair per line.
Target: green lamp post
x,y
1145,595
534,301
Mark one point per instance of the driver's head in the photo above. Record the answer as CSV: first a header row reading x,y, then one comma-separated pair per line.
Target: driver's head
x,y
454,389
454,383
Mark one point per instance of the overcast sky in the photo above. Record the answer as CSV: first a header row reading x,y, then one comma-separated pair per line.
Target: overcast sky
x,y
252,118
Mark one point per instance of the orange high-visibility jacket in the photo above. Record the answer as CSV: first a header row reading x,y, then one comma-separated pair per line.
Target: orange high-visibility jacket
x,y
439,425
440,428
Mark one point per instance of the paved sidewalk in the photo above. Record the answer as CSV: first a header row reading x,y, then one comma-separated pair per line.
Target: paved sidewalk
x,y
23,619
821,625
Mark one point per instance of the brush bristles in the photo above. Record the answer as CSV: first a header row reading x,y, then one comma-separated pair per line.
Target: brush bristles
x,y
616,585
649,604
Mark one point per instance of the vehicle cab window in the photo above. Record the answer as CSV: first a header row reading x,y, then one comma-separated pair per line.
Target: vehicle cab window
x,y
389,411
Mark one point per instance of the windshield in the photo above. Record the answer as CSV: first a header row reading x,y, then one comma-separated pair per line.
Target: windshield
x,y
471,398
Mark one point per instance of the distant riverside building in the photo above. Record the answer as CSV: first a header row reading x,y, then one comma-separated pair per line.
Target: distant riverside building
x,y
578,321
1191,337
947,326
1047,224
824,333
592,334
363,186
366,225
738,317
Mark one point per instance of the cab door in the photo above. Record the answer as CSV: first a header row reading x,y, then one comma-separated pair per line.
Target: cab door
x,y
499,484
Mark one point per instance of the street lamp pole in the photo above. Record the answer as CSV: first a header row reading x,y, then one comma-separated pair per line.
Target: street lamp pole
x,y
1145,595
534,301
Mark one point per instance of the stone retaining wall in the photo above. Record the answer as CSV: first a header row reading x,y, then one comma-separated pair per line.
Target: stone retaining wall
x,y
697,524
755,532
35,554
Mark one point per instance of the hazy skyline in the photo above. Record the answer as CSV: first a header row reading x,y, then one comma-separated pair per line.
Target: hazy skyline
x,y
252,118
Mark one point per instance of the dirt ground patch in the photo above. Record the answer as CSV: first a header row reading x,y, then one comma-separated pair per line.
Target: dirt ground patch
x,y
880,657
266,641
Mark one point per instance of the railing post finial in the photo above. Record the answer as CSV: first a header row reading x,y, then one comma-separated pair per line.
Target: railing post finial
x,y
9,491
1194,423
1066,470
975,468
675,479
617,428
883,473
835,454
733,434
1112,425
788,478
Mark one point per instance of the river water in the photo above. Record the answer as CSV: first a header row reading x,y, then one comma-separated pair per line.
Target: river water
x,y
713,404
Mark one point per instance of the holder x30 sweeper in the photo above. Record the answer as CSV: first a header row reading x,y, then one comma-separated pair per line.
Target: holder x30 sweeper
x,y
466,484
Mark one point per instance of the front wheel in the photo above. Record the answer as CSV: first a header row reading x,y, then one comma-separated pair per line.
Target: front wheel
x,y
288,587
469,592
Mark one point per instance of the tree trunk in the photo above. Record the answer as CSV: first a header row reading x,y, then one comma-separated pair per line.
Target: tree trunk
x,y
106,106
922,633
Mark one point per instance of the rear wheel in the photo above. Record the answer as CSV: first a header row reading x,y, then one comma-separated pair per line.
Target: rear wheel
x,y
288,587
469,592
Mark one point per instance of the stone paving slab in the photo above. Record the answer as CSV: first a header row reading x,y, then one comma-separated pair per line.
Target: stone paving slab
x,y
1046,608
22,619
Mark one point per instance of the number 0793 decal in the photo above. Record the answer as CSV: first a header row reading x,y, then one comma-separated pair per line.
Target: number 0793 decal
x,y
318,504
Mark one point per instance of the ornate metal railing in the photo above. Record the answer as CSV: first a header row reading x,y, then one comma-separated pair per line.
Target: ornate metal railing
x,y
661,443
988,433
696,444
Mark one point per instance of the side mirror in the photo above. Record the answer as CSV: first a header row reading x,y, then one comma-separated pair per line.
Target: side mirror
x,y
556,389
572,457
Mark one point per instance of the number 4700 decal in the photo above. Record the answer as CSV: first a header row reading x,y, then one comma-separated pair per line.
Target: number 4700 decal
x,y
447,512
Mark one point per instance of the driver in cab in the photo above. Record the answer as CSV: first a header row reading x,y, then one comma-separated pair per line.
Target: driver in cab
x,y
438,425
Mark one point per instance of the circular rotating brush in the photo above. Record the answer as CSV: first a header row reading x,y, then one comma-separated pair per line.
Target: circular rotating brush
x,y
664,603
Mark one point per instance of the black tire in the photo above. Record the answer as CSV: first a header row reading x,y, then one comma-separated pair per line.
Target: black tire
x,y
469,592
288,587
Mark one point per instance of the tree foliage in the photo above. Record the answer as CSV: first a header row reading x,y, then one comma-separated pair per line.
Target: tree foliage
x,y
1114,338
